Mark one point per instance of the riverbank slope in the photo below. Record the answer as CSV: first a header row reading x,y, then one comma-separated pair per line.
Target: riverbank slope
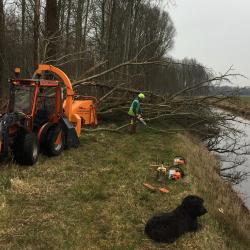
x,y
93,197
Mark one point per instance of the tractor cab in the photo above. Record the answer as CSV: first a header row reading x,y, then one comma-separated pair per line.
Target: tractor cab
x,y
39,100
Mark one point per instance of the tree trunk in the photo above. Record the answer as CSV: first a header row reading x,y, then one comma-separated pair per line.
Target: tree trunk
x,y
1,46
78,40
23,22
102,24
79,19
61,14
67,28
85,24
24,56
110,32
52,29
127,39
128,31
36,33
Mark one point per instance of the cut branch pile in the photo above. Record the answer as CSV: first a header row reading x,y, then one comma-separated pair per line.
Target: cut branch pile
x,y
193,113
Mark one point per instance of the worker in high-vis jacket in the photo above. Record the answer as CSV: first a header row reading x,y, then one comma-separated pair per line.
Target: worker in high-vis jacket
x,y
135,112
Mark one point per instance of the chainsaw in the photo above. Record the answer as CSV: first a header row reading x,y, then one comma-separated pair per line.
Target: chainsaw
x,y
142,120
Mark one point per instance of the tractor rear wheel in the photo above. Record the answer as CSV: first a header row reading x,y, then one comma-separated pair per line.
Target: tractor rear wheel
x,y
26,149
55,141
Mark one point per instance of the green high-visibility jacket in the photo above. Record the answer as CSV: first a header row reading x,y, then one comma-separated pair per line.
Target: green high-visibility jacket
x,y
135,108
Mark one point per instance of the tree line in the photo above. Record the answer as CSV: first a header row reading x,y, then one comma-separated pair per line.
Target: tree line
x,y
86,37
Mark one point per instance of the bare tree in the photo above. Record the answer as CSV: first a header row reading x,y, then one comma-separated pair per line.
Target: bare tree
x,y
1,46
79,34
86,24
36,32
67,26
52,30
23,22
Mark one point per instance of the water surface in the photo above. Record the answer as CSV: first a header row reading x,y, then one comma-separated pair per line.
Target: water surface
x,y
243,144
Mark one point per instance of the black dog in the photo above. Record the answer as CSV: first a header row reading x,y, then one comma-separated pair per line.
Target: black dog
x,y
167,227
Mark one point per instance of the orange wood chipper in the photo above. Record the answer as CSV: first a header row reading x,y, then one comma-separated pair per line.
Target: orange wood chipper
x,y
44,115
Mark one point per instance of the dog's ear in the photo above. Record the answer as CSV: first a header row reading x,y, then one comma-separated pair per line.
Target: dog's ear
x,y
194,206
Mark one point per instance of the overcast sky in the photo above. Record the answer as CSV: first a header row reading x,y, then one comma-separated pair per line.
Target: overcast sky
x,y
215,32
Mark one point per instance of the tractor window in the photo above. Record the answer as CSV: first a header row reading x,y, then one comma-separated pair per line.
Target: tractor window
x,y
46,99
45,106
21,99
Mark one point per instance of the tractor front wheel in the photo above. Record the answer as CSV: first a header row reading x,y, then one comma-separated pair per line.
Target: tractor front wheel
x,y
26,149
55,141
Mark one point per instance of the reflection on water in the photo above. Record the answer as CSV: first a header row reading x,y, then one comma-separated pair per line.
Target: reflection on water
x,y
242,143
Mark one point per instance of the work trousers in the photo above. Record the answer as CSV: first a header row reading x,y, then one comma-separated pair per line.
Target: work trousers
x,y
133,121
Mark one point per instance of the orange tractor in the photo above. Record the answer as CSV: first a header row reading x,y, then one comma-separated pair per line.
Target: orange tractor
x,y
44,115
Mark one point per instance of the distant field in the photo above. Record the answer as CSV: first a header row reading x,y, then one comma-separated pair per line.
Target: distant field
x,y
245,99
239,106
93,198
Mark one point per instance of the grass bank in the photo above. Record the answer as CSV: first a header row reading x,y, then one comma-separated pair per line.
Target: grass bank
x,y
93,197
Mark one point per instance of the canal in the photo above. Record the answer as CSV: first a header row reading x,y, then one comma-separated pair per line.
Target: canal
x,y
241,143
